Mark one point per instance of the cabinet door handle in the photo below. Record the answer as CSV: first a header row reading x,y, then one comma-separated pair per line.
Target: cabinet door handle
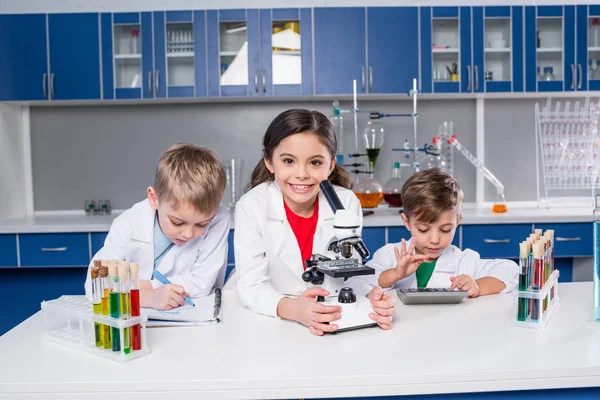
x,y
573,79
580,69
492,241
476,73
565,239
264,81
44,79
156,86
256,81
54,249
362,87
370,79
52,85
468,78
149,83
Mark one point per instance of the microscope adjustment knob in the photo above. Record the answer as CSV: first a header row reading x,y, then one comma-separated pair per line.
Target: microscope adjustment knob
x,y
313,276
346,296
307,276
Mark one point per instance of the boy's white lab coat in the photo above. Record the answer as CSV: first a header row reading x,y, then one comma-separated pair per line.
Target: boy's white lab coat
x,y
267,257
198,265
451,262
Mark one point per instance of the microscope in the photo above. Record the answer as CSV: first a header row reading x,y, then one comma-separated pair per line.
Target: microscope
x,y
331,274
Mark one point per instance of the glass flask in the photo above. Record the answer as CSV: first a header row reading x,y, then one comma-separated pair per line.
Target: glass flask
x,y
392,192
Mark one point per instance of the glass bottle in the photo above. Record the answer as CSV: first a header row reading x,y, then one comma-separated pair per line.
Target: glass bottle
x,y
392,192
597,258
369,191
433,160
338,126
373,138
548,74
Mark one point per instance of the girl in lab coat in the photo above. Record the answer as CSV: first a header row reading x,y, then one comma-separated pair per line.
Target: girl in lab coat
x,y
432,203
285,218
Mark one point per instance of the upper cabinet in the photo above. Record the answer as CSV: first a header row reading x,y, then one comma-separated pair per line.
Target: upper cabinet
x,y
376,46
49,57
154,55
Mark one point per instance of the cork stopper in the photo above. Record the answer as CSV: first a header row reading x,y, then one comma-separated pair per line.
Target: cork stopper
x,y
538,232
113,267
104,263
523,253
103,271
94,272
134,267
537,253
123,270
97,264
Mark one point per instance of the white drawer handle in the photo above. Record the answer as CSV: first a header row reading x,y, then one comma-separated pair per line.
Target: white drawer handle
x,y
54,249
496,240
563,239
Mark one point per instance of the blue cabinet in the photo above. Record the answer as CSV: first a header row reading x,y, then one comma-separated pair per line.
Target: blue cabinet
x,y
571,239
495,241
393,49
74,56
340,50
374,239
8,251
23,57
54,249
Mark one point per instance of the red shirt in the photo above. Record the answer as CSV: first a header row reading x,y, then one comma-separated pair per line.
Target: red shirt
x,y
304,230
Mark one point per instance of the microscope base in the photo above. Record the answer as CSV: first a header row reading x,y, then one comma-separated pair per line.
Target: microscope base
x,y
354,315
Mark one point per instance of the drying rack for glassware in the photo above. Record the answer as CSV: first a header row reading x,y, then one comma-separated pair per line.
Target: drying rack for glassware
x,y
567,148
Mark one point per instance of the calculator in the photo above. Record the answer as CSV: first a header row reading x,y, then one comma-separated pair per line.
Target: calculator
x,y
431,296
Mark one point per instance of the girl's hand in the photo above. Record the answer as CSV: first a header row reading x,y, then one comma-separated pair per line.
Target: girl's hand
x,y
407,262
384,307
307,311
465,282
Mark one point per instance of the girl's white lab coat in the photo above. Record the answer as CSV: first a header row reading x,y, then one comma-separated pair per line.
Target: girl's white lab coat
x,y
198,265
267,256
451,262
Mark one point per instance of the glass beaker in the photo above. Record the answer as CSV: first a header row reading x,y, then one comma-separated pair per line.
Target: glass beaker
x,y
373,138
392,192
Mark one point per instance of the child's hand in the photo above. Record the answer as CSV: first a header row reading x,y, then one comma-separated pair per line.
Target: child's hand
x,y
167,297
406,261
465,282
306,310
384,306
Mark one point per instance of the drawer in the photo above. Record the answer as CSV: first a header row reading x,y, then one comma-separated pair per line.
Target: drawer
x,y
230,251
571,239
8,251
374,239
495,241
98,239
54,249
397,233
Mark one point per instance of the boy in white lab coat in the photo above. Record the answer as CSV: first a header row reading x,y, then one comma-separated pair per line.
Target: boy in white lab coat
x,y
432,201
180,229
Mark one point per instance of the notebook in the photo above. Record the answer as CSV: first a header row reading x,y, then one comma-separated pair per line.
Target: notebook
x,y
206,312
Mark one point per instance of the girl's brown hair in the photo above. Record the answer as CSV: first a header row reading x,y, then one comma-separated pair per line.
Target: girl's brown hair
x,y
428,193
289,123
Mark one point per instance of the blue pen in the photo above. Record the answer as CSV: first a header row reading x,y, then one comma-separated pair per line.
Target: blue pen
x,y
161,278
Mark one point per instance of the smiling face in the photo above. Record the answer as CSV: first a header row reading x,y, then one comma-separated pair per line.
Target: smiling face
x,y
299,163
433,238
182,224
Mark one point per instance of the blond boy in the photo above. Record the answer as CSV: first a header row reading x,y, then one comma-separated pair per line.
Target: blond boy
x,y
180,229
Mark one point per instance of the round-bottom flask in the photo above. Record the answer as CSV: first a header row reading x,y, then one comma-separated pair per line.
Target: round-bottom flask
x,y
392,192
369,192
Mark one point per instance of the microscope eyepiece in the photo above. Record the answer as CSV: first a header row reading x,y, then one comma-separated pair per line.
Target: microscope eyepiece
x,y
332,198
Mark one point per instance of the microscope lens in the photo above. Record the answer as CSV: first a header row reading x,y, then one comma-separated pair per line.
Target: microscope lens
x,y
347,250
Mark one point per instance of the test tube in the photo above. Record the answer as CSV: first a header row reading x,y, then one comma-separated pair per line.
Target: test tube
x,y
136,335
105,290
537,260
523,302
550,233
113,279
124,302
97,301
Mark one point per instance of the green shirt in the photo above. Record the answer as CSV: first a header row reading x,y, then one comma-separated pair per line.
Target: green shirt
x,y
424,273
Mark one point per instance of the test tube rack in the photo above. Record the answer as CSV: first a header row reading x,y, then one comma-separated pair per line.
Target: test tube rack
x,y
69,320
540,319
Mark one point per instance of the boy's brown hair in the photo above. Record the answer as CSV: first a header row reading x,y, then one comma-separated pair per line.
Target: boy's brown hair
x,y
192,174
430,192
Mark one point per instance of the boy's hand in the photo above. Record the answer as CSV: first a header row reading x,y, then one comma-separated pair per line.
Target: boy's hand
x,y
465,282
167,297
406,261
306,310
384,306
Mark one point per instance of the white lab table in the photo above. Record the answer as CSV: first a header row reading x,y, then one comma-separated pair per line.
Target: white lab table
x,y
470,347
